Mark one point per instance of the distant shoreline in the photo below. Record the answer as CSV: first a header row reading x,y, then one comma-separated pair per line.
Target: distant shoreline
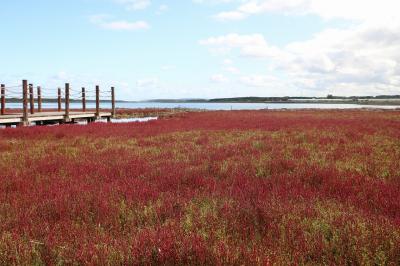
x,y
361,101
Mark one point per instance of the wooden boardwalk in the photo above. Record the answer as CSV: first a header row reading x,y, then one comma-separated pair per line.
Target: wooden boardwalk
x,y
36,116
45,118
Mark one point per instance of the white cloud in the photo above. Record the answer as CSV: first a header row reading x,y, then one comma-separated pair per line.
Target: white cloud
x,y
228,66
125,25
232,70
253,45
219,78
162,9
168,67
148,83
260,81
362,59
215,1
230,15
364,53
227,62
134,4
105,22
363,10
235,40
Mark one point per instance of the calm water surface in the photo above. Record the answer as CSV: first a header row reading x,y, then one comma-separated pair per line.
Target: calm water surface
x,y
221,106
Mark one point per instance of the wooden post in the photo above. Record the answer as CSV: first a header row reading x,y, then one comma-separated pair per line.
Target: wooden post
x,y
31,99
67,102
3,99
39,97
59,99
25,102
112,102
83,100
97,102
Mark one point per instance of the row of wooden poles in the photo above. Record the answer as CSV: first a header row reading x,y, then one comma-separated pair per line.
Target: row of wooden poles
x,y
28,89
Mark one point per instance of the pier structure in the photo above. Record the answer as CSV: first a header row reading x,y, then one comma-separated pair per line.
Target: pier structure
x,y
33,113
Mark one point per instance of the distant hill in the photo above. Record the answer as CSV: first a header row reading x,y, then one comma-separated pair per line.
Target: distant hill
x,y
250,99
365,100
286,99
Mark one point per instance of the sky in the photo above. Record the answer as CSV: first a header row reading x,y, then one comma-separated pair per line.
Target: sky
x,y
152,49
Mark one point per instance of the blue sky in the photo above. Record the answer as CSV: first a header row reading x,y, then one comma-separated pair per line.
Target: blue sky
x,y
203,48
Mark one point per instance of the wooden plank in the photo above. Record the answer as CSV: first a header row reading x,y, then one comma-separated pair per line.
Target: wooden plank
x,y
50,116
59,99
77,116
67,101
25,101
45,118
28,107
83,100
39,97
97,101
112,101
10,121
3,99
31,99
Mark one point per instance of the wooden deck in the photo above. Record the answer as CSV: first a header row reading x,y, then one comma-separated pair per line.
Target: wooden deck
x,y
29,115
44,118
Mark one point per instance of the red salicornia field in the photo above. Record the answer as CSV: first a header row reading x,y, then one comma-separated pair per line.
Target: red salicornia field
x,y
204,188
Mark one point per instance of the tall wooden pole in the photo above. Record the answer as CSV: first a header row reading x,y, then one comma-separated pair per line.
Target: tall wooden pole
x,y
83,100
31,99
112,102
59,99
25,102
39,97
97,101
3,99
66,101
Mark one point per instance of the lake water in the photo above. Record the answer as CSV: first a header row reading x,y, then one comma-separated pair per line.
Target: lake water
x,y
220,106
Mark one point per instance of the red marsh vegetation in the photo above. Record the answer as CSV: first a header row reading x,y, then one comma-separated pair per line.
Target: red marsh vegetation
x,y
204,188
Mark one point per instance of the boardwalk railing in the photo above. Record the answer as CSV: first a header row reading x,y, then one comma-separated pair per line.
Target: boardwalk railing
x,y
25,93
